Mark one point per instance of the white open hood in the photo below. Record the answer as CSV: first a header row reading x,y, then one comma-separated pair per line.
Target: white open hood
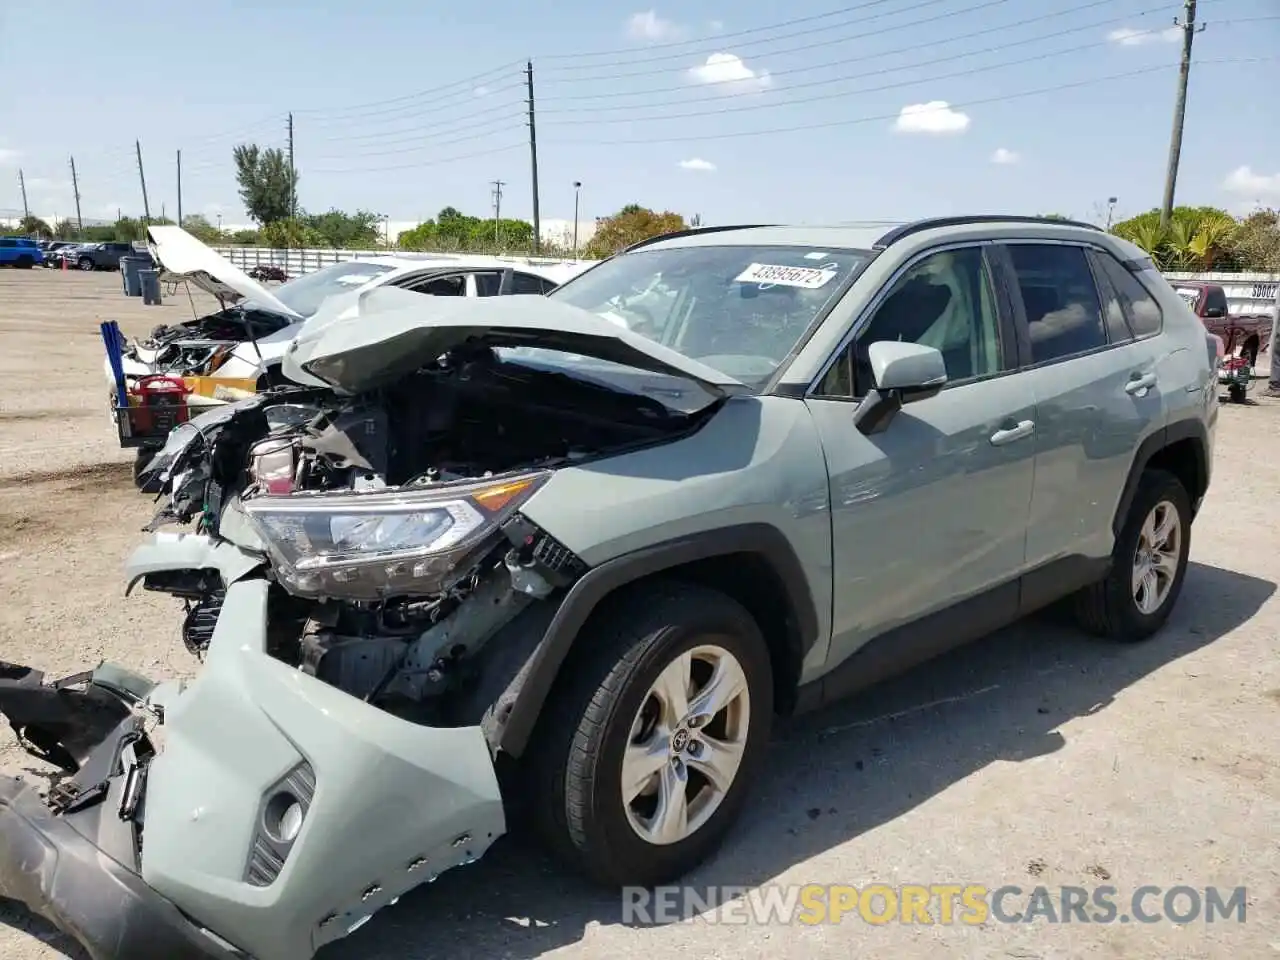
x,y
181,256
370,339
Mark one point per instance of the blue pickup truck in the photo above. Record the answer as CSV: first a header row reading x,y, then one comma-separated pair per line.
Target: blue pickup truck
x,y
21,252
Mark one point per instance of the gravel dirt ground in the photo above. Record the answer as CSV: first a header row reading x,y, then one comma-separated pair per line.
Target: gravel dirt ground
x,y
1036,756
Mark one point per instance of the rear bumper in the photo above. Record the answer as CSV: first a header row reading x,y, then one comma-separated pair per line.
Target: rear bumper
x,y
59,874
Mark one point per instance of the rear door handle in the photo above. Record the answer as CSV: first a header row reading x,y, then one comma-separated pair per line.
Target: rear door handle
x,y
1015,431
1139,384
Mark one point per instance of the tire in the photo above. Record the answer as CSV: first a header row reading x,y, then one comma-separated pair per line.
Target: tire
x,y
25,263
1237,393
1110,608
85,263
574,767
141,461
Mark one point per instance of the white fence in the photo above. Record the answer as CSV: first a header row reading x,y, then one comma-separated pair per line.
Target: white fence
x,y
297,262
1246,292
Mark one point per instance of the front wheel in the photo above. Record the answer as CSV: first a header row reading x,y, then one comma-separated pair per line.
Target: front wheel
x,y
25,263
85,263
1148,564
654,735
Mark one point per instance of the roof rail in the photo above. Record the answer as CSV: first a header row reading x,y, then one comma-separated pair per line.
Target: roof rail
x,y
693,231
906,230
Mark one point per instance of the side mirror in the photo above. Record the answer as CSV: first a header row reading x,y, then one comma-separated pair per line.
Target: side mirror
x,y
903,373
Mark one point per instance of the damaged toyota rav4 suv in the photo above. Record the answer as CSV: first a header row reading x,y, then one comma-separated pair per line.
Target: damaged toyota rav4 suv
x,y
570,556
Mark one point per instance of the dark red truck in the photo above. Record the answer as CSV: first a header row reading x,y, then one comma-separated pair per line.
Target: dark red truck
x,y
1243,335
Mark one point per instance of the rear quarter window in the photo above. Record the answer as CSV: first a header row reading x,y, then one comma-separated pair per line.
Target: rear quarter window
x,y
1140,309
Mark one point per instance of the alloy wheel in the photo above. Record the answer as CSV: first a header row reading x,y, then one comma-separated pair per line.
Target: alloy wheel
x,y
686,745
1156,559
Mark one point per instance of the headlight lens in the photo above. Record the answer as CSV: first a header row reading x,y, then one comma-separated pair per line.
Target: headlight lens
x,y
364,546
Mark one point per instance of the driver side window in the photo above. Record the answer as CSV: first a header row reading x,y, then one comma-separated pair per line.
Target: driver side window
x,y
945,301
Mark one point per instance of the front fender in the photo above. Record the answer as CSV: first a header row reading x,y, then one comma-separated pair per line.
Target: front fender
x,y
175,552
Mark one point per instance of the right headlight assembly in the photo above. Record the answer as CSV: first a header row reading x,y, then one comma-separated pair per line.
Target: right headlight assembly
x,y
366,546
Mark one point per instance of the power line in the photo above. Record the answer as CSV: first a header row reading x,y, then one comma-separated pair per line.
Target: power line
x,y
859,33
841,94
721,37
430,163
363,108
509,122
854,121
467,120
876,72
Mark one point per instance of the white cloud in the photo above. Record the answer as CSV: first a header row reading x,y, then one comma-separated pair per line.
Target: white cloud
x,y
1131,37
716,26
481,91
729,74
697,163
8,156
1253,186
936,116
651,28
1004,156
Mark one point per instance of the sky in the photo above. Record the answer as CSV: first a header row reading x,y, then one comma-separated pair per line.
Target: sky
x,y
737,112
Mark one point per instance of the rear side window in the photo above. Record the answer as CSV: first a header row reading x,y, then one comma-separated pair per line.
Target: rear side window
x,y
1130,298
1064,315
527,283
1215,299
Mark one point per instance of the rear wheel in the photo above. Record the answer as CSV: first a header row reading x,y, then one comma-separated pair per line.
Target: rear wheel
x,y
85,263
25,262
1148,565
1238,393
654,735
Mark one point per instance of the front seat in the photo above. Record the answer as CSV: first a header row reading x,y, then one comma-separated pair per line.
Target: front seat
x,y
905,315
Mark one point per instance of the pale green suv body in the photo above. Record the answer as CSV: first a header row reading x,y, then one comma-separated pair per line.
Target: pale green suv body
x,y
863,451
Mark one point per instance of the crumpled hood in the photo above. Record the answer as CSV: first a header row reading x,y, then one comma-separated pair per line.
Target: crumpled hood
x,y
361,341
182,257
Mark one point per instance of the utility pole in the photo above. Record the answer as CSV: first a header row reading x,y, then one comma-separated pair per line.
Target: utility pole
x,y
75,188
293,176
497,211
577,188
533,161
22,182
1179,111
179,188
146,206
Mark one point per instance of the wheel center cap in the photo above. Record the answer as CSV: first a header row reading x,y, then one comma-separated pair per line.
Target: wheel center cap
x,y
679,740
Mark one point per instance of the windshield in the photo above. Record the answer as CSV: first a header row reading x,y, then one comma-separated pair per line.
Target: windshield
x,y
1190,294
739,309
305,294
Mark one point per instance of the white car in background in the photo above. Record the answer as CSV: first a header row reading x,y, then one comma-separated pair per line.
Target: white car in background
x,y
247,338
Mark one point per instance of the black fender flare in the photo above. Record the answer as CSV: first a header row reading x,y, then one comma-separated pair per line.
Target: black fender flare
x,y
1192,428
543,666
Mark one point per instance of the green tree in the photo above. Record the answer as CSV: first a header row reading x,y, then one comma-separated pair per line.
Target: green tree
x,y
246,237
98,233
128,228
1256,244
34,226
65,230
199,227
1197,238
267,184
345,231
290,234
629,225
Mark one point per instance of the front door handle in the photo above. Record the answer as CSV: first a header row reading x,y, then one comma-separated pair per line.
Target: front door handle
x,y
1015,431
1139,384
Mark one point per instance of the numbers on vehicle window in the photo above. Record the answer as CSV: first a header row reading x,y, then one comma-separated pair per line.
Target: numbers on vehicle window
x,y
1064,315
945,301
1130,309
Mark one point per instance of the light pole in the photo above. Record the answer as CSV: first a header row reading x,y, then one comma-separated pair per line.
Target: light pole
x,y
1111,206
577,187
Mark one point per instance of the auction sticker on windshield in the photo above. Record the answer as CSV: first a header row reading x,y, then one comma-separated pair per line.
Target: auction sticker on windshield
x,y
810,278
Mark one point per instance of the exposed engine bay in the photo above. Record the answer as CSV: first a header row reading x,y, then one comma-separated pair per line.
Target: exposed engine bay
x,y
389,522
198,347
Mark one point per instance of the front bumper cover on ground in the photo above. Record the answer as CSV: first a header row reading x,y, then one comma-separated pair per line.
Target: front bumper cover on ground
x,y
388,805
62,876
